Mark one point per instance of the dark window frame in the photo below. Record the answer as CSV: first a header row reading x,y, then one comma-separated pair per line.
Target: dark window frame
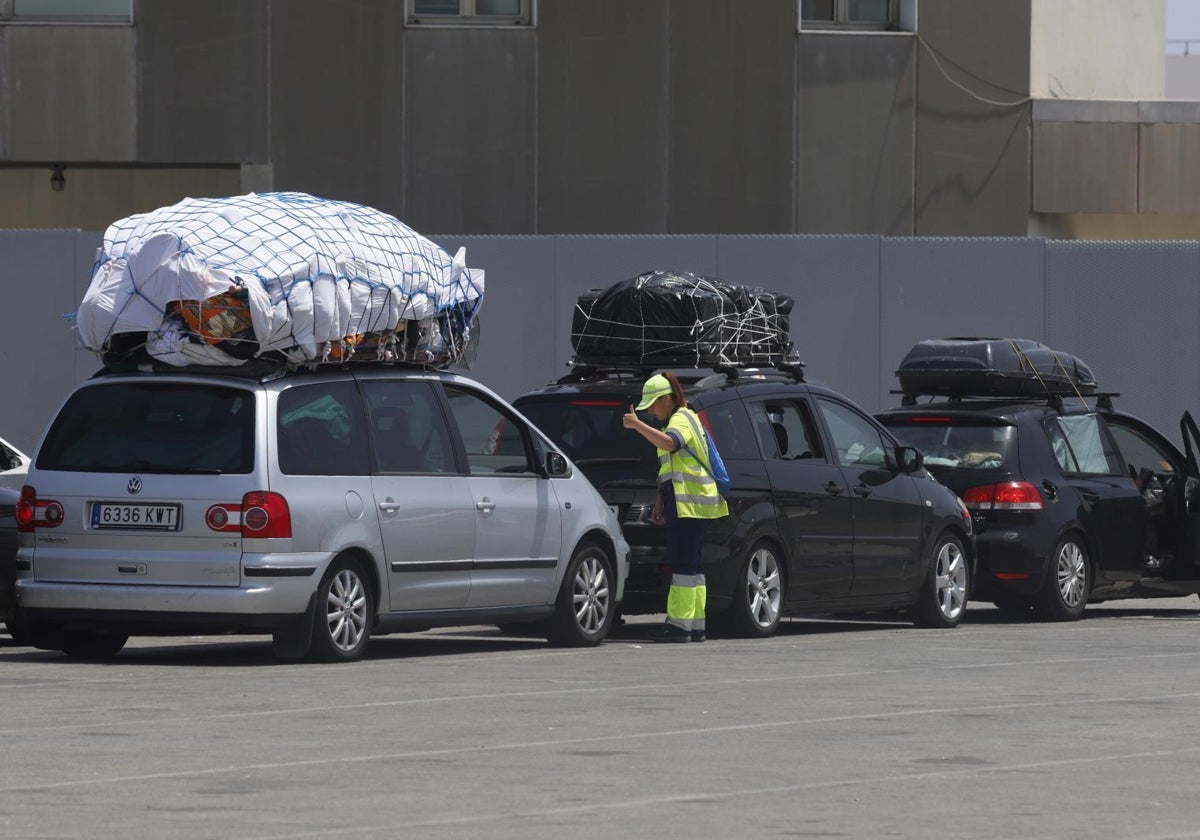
x,y
468,16
840,19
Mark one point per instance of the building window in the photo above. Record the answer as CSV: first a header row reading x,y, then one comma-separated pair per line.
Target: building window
x,y
102,11
849,14
470,12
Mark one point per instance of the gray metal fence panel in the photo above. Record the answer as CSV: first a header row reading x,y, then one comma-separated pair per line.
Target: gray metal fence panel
x,y
1131,310
834,281
942,288
1128,309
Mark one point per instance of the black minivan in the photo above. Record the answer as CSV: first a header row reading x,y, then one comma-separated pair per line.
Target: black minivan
x,y
828,513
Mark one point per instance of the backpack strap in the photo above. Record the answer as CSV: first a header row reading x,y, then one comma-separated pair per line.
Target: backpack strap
x,y
700,435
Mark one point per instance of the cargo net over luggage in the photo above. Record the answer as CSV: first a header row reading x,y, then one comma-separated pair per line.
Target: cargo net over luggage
x,y
286,278
678,319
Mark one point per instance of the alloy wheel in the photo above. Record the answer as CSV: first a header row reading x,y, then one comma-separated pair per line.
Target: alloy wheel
x,y
1072,573
346,610
764,587
591,594
951,581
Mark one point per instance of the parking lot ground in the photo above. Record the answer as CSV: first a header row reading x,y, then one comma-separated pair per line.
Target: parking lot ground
x,y
836,728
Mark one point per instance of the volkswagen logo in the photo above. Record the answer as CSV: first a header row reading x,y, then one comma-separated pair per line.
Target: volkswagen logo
x,y
134,485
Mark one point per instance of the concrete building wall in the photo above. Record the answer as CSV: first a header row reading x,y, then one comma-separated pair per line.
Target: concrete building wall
x,y
860,303
1074,45
856,140
973,151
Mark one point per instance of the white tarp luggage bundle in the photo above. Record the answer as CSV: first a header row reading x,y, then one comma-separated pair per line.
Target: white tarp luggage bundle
x,y
285,277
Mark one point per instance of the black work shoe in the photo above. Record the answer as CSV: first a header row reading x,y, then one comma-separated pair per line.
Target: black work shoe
x,y
697,635
668,633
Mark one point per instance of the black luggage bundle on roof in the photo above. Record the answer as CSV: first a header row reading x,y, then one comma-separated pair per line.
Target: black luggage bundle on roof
x,y
992,367
678,319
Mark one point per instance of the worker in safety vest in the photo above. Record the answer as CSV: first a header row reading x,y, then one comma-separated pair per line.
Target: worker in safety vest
x,y
687,500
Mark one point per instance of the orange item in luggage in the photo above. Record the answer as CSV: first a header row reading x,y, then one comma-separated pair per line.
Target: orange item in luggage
x,y
217,318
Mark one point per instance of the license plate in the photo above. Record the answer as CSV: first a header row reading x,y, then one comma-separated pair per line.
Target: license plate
x,y
121,515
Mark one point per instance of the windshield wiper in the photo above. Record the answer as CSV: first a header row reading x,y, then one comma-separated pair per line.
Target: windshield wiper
x,y
611,460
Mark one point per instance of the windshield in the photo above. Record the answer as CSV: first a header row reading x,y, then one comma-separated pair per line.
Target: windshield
x,y
153,427
959,446
590,432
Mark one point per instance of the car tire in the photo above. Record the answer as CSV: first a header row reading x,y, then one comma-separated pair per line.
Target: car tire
x,y
942,601
758,600
17,630
585,608
81,644
344,613
1068,581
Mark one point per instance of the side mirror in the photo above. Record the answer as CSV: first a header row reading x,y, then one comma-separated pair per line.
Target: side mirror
x,y
909,459
556,464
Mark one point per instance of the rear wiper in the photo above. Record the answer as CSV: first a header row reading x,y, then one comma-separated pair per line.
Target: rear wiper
x,y
147,467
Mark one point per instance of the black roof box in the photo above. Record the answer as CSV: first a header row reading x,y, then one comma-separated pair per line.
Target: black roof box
x,y
992,367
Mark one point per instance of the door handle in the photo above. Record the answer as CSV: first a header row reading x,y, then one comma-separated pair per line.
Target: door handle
x,y
1089,496
486,505
833,488
862,491
389,504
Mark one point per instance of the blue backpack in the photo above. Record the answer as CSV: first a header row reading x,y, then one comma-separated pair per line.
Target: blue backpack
x,y
714,464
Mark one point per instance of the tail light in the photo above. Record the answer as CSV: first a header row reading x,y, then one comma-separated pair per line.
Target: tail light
x,y
261,515
265,515
1007,495
33,513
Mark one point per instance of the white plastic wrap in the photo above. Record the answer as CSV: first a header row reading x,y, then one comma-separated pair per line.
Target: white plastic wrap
x,y
314,274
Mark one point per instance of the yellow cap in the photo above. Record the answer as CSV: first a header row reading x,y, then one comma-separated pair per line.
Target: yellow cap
x,y
656,386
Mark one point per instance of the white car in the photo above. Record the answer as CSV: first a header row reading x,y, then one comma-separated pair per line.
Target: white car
x,y
14,465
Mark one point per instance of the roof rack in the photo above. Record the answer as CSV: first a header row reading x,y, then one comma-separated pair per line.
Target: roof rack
x,y
581,371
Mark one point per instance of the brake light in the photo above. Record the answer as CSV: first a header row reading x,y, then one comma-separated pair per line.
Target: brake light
x,y
33,513
1007,495
928,419
265,515
607,403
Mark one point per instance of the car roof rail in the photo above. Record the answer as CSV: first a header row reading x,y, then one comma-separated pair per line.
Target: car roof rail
x,y
1104,399
790,368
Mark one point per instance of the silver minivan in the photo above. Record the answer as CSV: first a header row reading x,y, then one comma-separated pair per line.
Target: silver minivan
x,y
319,507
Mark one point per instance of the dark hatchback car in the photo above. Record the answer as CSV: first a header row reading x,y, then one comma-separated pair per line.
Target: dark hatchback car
x,y
827,512
1071,503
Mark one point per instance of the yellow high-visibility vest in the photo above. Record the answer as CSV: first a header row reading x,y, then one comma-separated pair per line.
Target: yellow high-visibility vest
x,y
696,495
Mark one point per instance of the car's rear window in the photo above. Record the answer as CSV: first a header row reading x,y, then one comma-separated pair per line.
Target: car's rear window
x,y
153,427
590,430
948,444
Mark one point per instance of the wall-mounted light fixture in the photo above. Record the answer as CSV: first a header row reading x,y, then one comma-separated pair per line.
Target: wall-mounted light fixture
x,y
58,181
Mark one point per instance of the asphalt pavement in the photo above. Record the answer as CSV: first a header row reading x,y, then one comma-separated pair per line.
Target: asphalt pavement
x,y
836,728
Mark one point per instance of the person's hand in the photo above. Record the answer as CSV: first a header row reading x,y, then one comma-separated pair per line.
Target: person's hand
x,y
630,419
656,514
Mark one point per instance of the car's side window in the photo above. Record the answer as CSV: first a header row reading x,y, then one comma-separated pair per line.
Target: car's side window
x,y
856,439
493,438
785,430
731,430
1139,452
1081,447
321,431
407,428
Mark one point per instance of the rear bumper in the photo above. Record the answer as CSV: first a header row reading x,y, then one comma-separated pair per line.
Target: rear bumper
x,y
274,593
1008,563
